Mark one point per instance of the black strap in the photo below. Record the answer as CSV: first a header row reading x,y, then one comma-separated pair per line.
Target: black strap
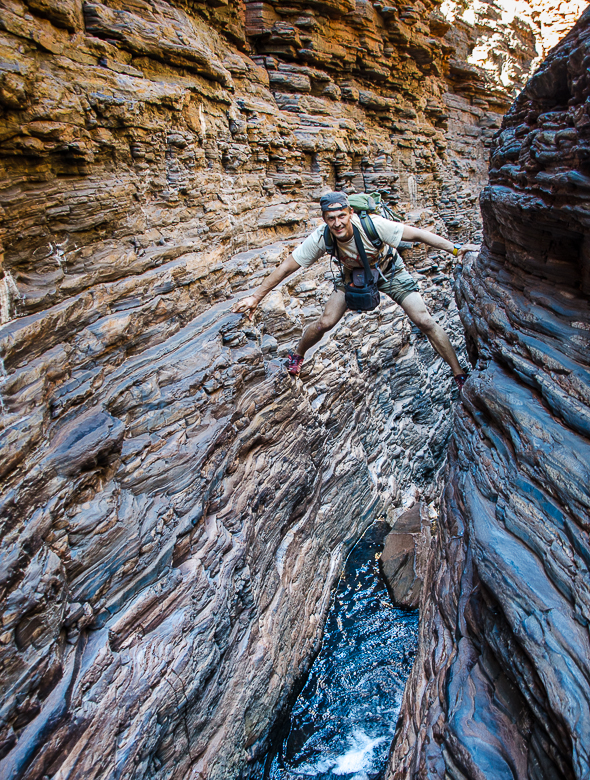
x,y
363,255
332,247
329,241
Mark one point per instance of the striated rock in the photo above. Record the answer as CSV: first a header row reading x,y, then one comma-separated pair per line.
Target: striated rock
x,y
63,13
492,67
174,508
185,532
503,691
159,32
404,557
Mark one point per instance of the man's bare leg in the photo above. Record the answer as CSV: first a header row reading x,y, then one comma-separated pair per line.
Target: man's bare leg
x,y
415,308
332,314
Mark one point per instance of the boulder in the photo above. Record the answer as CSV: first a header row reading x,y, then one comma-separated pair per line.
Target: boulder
x,y
403,557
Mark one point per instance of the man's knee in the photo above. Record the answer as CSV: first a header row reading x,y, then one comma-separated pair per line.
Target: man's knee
x,y
426,324
324,324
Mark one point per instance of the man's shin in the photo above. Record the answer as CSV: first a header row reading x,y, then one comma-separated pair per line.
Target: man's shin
x,y
311,335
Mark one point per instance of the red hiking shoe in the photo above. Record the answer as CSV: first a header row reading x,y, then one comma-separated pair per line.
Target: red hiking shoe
x,y
294,363
460,379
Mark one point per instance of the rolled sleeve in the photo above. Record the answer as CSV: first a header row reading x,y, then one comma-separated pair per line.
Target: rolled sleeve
x,y
390,232
311,249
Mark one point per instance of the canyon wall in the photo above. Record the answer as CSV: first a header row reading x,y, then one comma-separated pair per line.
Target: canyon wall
x,y
502,684
174,507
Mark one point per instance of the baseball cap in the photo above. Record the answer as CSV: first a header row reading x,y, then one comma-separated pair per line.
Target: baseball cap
x,y
333,201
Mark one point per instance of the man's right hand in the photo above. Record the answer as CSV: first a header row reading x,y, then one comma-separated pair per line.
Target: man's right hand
x,y
249,305
246,306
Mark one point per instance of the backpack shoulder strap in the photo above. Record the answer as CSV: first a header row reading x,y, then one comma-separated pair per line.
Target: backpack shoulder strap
x,y
329,242
332,248
370,229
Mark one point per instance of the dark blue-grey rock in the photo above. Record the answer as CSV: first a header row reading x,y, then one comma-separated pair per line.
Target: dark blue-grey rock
x,y
501,688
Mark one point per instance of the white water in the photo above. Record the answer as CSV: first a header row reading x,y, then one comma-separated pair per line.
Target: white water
x,y
356,761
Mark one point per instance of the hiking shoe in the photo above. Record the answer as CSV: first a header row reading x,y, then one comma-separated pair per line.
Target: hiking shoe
x,y
460,379
294,363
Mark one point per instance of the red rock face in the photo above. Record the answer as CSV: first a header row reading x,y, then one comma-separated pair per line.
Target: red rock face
x,y
405,557
502,684
174,507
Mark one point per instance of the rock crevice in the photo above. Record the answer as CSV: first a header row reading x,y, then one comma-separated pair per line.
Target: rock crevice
x,y
174,508
505,691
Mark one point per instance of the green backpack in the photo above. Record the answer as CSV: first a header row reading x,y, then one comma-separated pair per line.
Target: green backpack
x,y
364,205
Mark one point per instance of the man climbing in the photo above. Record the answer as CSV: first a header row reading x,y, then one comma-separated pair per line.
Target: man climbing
x,y
346,234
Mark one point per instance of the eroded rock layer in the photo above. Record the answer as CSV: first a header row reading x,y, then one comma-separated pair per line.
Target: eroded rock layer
x,y
174,507
502,687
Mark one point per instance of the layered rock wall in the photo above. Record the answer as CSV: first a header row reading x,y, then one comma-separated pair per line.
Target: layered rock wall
x,y
174,507
502,685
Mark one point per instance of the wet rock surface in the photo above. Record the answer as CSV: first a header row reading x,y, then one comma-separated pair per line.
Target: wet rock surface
x,y
501,687
174,507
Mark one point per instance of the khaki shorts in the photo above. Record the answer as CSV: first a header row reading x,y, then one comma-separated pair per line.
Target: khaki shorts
x,y
398,284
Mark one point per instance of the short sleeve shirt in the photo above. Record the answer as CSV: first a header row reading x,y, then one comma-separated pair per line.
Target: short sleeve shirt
x,y
314,245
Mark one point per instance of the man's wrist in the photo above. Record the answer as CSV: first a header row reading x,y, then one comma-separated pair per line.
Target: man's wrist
x,y
456,249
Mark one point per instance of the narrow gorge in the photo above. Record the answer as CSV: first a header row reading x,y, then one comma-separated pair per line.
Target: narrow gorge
x,y
175,507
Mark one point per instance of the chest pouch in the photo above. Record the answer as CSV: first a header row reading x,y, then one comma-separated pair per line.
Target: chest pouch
x,y
361,294
358,276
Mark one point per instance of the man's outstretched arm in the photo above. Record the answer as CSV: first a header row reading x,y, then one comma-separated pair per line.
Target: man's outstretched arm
x,y
437,242
248,305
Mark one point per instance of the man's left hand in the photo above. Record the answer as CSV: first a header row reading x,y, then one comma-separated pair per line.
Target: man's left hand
x,y
467,248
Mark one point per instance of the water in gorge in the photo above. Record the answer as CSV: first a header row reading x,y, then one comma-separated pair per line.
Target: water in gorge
x,y
343,721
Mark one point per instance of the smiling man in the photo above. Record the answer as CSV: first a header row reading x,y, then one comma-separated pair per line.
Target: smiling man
x,y
394,279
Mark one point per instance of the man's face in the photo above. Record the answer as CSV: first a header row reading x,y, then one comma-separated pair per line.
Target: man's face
x,y
339,222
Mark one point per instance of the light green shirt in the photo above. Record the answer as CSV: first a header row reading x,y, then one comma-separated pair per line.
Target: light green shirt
x,y
314,245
